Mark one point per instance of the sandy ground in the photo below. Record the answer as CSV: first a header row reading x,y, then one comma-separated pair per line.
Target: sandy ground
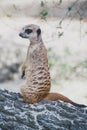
x,y
74,38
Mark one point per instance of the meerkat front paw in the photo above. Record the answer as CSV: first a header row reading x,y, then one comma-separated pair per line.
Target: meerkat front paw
x,y
23,74
23,70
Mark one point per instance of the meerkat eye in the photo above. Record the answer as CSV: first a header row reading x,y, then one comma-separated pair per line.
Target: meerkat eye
x,y
28,31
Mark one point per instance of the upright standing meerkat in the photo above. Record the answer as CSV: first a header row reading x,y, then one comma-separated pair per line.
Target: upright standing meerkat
x,y
38,82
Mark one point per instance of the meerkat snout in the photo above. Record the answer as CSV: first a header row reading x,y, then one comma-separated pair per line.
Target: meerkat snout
x,y
20,34
25,33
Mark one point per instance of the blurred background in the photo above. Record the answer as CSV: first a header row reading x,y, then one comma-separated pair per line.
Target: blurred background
x,y
64,31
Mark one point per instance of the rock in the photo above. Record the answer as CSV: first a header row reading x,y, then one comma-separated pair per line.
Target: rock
x,y
4,74
15,114
11,57
14,68
8,72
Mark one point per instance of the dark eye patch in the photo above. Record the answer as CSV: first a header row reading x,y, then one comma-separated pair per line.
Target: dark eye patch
x,y
28,31
38,32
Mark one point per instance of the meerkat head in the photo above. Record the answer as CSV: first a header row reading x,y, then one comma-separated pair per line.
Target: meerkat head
x,y
30,32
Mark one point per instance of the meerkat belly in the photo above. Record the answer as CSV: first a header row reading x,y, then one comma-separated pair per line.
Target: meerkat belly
x,y
38,81
38,84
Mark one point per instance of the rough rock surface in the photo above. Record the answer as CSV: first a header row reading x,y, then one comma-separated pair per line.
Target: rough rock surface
x,y
45,115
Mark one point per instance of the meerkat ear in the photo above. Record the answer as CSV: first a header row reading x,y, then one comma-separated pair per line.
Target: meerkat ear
x,y
38,32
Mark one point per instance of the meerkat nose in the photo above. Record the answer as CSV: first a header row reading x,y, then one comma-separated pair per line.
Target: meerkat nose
x,y
20,34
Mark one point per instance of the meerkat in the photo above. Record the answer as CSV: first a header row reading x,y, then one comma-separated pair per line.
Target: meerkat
x,y
36,70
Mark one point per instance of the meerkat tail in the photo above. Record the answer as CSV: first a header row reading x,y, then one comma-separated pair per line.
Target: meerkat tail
x,y
78,105
57,96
